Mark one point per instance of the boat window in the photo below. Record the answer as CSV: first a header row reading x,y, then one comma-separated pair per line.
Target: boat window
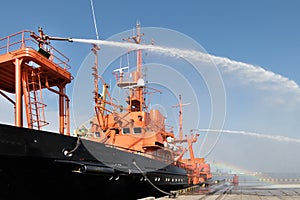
x,y
137,130
126,130
97,134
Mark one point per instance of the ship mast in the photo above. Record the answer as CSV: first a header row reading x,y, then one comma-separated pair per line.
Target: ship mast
x,y
100,98
180,105
136,98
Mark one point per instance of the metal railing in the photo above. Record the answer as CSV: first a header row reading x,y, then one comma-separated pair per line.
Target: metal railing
x,y
24,39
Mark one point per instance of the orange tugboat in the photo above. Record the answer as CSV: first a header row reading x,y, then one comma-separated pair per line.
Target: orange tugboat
x,y
125,152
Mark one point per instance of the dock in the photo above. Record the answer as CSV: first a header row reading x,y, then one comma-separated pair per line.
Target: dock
x,y
230,191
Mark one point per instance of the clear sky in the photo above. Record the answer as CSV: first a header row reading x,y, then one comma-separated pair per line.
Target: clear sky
x,y
261,33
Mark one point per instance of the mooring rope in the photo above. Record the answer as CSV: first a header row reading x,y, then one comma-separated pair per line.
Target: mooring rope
x,y
145,176
69,153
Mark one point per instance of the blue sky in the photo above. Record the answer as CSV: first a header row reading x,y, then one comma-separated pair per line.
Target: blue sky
x,y
258,32
264,33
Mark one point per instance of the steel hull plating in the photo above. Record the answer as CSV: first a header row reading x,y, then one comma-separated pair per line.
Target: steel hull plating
x,y
43,165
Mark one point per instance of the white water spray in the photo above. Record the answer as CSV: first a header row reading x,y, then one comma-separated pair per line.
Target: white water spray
x,y
249,73
278,138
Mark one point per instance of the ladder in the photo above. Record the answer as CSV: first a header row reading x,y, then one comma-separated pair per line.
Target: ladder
x,y
35,108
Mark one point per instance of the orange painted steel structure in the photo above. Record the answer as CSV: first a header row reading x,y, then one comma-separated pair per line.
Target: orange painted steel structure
x,y
133,138
137,129
29,64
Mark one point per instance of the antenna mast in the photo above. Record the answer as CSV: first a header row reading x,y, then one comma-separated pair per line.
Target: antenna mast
x,y
95,51
136,100
180,105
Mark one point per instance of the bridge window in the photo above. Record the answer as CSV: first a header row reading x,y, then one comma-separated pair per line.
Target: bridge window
x,y
126,130
137,130
97,134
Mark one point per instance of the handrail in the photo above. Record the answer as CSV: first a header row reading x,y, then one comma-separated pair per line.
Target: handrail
x,y
23,38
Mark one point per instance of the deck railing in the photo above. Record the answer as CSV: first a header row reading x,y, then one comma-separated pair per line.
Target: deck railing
x,y
24,39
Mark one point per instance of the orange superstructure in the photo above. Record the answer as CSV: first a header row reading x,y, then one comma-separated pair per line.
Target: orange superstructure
x,y
29,64
135,128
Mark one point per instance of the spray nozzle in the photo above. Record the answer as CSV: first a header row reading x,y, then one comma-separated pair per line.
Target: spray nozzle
x,y
61,39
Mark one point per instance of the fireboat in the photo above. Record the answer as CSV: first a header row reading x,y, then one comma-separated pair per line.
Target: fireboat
x,y
124,152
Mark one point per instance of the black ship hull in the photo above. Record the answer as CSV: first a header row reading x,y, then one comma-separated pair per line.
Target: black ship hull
x,y
43,165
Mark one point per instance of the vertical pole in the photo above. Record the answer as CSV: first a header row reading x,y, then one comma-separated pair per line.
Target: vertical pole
x,y
139,51
139,61
68,116
139,71
180,118
18,91
139,64
23,40
61,110
95,72
27,99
